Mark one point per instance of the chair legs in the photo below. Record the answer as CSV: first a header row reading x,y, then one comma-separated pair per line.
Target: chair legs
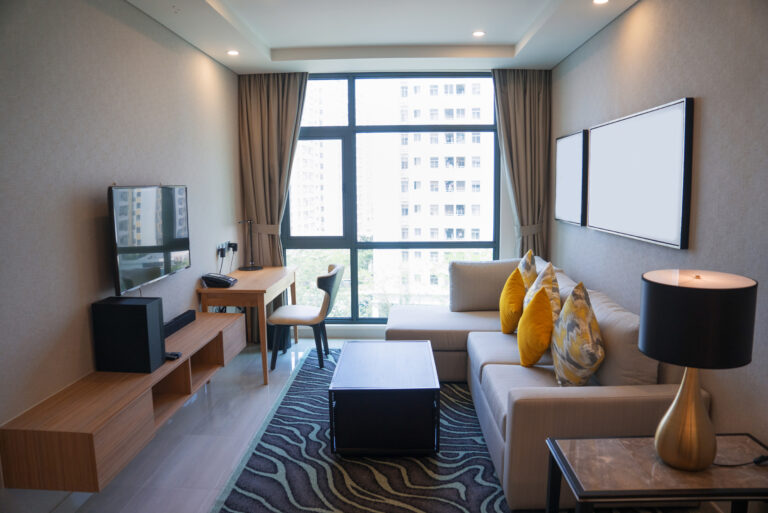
x,y
318,332
325,339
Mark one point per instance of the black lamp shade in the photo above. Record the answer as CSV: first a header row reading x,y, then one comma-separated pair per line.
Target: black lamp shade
x,y
699,319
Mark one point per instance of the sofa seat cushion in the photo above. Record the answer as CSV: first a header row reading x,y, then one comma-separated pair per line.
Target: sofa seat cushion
x,y
487,347
498,380
445,329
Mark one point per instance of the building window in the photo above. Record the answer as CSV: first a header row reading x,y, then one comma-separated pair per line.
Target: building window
x,y
475,161
476,88
475,210
326,221
475,186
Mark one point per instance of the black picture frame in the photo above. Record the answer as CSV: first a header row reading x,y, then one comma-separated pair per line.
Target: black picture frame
x,y
569,173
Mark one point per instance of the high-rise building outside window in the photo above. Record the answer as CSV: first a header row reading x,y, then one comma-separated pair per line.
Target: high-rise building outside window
x,y
360,167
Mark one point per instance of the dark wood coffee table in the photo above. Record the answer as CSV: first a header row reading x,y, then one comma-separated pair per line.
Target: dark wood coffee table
x,y
384,398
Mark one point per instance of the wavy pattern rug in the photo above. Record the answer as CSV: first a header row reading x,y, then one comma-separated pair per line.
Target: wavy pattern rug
x,y
290,466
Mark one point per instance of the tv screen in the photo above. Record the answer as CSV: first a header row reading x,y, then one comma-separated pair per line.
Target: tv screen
x,y
151,233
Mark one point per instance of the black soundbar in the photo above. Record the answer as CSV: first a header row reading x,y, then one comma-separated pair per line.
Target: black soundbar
x,y
178,322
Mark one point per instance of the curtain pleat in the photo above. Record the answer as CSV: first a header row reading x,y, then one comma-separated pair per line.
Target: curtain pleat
x,y
269,116
523,105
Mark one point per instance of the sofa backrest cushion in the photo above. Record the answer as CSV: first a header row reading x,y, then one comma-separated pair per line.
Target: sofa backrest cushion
x,y
478,285
624,364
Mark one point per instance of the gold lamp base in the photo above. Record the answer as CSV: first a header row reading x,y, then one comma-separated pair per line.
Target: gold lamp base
x,y
685,438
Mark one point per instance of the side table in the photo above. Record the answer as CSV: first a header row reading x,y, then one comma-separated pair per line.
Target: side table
x,y
615,470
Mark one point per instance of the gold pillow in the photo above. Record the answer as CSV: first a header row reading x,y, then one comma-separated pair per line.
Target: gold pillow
x,y
577,344
546,280
535,329
527,268
511,302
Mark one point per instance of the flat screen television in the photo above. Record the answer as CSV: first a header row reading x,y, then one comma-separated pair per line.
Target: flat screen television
x,y
150,231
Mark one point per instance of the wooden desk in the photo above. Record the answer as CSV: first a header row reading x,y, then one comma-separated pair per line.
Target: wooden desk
x,y
254,289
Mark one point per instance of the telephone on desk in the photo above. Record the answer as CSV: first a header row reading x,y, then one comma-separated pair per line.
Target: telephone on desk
x,y
219,281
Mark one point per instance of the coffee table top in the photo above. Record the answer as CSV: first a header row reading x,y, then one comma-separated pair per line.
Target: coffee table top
x,y
615,468
385,365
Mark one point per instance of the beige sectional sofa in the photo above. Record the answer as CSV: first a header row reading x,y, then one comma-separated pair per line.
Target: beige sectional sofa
x,y
519,407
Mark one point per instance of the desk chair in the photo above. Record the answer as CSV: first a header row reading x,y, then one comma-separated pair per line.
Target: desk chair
x,y
299,315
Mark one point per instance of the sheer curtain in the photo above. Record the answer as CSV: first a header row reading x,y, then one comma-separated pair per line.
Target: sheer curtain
x,y
523,104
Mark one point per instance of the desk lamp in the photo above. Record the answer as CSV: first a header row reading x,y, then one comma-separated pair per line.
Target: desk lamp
x,y
251,264
699,320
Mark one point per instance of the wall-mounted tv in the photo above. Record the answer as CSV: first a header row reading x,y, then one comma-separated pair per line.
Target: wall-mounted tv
x,y
150,231
640,175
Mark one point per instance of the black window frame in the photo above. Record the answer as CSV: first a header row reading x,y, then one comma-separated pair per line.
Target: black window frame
x,y
348,136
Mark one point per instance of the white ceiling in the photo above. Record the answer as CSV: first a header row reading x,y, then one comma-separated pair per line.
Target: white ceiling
x,y
384,35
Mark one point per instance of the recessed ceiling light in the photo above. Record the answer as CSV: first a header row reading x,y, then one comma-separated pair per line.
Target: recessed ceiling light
x,y
478,33
600,2
233,52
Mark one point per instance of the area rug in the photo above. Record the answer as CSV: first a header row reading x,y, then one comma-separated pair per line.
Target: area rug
x,y
290,467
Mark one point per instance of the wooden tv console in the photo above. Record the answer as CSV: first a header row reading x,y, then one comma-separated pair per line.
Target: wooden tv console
x,y
80,438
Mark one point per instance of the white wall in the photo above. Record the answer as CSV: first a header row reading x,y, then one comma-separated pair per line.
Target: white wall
x,y
658,51
94,92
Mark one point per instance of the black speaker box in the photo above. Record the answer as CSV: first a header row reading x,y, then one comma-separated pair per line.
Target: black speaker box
x,y
128,334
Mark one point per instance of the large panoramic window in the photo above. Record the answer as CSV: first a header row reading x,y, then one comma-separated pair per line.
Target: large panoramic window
x,y
394,177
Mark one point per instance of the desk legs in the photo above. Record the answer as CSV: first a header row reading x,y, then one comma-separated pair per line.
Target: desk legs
x,y
293,301
261,311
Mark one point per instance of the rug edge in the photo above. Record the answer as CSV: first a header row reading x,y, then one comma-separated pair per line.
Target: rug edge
x,y
235,472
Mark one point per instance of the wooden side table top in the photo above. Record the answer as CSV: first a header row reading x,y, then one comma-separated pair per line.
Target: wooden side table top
x,y
616,468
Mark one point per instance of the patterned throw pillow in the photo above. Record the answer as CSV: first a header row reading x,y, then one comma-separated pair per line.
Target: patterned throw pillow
x,y
546,280
535,329
511,302
577,345
527,268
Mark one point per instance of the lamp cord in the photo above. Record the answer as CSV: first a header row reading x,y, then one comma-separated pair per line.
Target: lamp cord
x,y
757,461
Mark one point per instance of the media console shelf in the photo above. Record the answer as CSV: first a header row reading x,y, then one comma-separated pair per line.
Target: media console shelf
x,y
80,438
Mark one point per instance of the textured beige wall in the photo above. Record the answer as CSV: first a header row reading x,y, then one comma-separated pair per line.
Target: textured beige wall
x,y
658,51
94,92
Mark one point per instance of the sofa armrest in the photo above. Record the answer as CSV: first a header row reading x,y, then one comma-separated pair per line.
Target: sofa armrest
x,y
575,412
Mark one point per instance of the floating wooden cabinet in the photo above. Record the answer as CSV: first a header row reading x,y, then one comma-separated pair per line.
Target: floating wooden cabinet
x,y
80,438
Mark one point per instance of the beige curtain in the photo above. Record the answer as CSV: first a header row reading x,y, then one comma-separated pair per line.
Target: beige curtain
x,y
270,115
269,112
523,102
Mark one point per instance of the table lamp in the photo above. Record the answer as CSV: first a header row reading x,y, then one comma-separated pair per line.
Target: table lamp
x,y
699,320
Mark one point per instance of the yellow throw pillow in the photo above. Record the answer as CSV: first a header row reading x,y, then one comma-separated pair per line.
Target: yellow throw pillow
x,y
527,268
577,345
511,302
535,329
546,280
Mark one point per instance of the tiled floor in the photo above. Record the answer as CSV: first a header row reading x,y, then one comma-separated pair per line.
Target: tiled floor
x,y
186,465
